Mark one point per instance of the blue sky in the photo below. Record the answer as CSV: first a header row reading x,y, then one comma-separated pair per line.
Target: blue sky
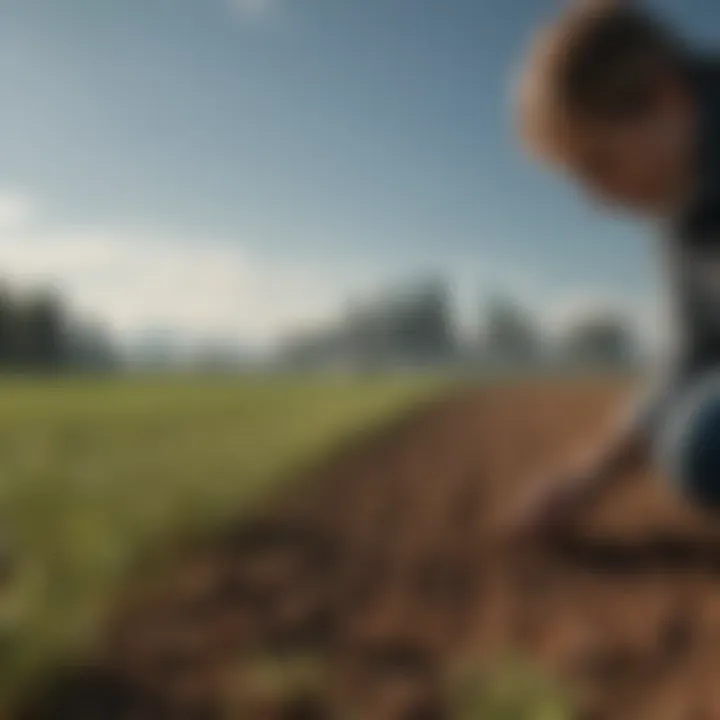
x,y
238,167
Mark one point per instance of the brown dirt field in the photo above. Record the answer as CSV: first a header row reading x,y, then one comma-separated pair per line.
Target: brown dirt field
x,y
388,569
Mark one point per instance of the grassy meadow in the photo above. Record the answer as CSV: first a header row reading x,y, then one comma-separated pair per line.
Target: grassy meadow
x,y
98,474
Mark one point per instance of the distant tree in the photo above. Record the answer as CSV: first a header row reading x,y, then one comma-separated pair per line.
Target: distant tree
x,y
601,338
8,328
424,326
404,325
38,334
511,332
42,332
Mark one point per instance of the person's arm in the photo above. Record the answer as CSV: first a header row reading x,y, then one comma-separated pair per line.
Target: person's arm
x,y
554,503
621,450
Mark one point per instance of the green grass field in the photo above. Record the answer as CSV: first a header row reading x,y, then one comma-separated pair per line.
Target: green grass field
x,y
99,474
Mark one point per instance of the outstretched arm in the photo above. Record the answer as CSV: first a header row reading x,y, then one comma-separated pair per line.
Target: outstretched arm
x,y
556,502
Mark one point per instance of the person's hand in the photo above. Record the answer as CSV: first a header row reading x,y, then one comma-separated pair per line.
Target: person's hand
x,y
552,507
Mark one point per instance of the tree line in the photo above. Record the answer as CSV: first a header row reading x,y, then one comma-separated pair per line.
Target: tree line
x,y
38,333
415,325
405,327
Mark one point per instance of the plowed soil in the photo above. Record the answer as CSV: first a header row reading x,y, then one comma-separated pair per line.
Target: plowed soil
x,y
390,566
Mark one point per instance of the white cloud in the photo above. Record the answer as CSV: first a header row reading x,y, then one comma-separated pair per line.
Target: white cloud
x,y
135,279
15,209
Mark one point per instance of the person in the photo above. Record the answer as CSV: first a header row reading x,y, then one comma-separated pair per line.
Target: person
x,y
613,97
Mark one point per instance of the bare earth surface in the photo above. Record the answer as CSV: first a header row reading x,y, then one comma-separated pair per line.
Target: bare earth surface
x,y
389,569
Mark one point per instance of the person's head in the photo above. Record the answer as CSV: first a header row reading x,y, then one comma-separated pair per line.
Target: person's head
x,y
604,96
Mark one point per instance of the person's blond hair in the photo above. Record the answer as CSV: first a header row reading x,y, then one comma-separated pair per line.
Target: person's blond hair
x,y
600,61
